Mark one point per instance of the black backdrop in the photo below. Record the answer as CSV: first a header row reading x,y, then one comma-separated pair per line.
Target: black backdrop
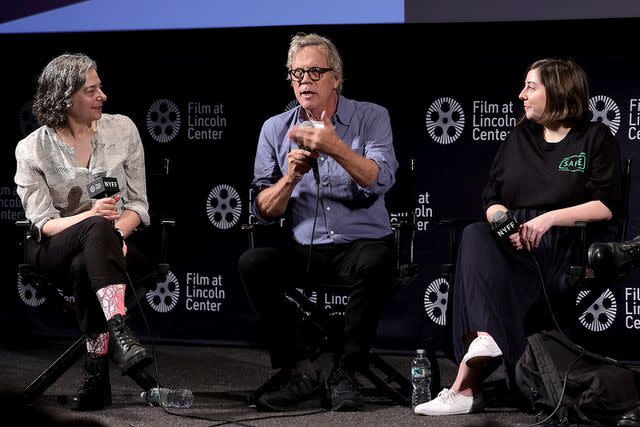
x,y
235,78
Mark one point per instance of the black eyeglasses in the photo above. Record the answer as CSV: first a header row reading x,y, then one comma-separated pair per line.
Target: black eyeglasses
x,y
315,73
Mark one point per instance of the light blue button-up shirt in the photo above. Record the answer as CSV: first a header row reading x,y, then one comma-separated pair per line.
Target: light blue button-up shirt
x,y
347,211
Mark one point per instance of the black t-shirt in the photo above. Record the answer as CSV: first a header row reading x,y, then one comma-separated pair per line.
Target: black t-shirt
x,y
529,172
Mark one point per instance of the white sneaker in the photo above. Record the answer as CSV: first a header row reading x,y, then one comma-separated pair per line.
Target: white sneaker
x,y
481,350
449,402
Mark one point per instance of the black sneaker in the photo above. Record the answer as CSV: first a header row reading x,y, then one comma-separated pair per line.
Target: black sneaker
x,y
345,393
300,392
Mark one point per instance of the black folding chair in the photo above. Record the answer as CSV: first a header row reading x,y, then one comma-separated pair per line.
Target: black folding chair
x,y
324,326
44,286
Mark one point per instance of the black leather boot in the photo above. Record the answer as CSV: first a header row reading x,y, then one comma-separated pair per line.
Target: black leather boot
x,y
95,391
610,259
630,419
128,353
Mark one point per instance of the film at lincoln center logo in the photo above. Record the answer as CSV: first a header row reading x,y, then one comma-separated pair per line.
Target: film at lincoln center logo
x,y
224,206
606,111
436,297
163,120
600,315
445,120
165,296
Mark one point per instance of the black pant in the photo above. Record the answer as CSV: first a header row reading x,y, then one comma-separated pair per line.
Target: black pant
x,y
365,266
86,256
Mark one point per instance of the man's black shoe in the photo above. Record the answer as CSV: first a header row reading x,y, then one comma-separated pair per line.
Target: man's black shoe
x,y
345,393
630,419
300,392
610,259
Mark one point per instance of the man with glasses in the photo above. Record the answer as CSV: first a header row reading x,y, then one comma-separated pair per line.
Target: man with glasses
x,y
339,222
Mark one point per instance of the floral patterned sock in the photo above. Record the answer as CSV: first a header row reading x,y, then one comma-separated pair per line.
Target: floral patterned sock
x,y
98,345
112,300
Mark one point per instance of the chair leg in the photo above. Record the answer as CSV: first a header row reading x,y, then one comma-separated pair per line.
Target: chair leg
x,y
384,377
50,375
393,376
383,386
55,370
402,393
144,379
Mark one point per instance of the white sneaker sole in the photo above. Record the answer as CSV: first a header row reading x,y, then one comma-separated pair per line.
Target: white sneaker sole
x,y
433,412
476,406
479,360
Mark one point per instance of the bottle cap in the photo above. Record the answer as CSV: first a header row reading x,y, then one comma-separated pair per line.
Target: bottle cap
x,y
420,351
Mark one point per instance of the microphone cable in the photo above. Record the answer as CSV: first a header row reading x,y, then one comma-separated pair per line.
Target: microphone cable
x,y
316,176
146,324
155,366
218,422
315,221
154,356
555,322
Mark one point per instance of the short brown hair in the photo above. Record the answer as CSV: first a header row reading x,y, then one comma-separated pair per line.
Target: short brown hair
x,y
567,90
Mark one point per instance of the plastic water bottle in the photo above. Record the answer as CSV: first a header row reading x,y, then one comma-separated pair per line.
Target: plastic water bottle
x,y
169,398
420,378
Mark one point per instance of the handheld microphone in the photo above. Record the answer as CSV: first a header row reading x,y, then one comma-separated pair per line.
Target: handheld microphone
x,y
504,224
313,161
102,185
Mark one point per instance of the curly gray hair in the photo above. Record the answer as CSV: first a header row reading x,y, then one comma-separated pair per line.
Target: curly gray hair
x,y
60,79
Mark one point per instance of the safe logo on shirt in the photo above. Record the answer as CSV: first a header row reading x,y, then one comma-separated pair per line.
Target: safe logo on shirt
x,y
575,163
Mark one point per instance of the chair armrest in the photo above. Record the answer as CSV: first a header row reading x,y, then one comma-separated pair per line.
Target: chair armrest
x,y
23,224
405,271
457,222
454,224
22,227
397,225
273,230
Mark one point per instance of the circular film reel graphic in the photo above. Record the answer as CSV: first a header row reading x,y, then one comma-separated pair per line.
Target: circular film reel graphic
x,y
27,122
291,105
163,120
601,314
445,120
165,296
435,300
224,206
312,295
605,110
28,294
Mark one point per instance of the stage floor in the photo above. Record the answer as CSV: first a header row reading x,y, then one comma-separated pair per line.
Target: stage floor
x,y
220,378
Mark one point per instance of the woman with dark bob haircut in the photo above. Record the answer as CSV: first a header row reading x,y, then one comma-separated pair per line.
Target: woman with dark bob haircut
x,y
555,168
76,240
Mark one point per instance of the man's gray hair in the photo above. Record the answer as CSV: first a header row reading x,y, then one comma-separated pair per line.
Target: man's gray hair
x,y
302,40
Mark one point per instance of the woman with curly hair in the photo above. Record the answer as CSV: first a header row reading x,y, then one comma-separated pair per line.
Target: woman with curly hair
x,y
76,240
